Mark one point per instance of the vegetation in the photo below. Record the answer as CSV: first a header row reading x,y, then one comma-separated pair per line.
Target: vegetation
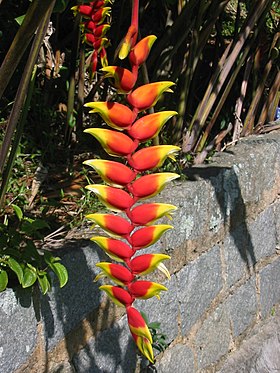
x,y
222,55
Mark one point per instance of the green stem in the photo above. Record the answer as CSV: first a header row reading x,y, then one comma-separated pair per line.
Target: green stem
x,y
72,82
23,86
32,20
12,156
22,100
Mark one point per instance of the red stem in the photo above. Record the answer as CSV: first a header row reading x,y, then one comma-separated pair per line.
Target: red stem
x,y
134,20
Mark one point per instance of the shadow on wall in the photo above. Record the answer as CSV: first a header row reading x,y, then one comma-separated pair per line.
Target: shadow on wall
x,y
63,310
228,194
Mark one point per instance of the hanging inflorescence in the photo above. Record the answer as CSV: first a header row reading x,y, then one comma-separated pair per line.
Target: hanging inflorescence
x,y
128,183
95,28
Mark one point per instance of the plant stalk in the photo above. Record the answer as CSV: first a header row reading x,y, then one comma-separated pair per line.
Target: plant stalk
x,y
32,20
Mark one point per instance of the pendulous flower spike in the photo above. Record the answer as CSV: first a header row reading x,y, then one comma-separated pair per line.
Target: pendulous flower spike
x,y
123,189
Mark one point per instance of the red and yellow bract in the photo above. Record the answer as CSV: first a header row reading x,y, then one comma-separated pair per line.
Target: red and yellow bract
x,y
147,263
116,115
146,96
137,324
152,157
124,79
148,127
116,272
115,249
149,212
119,296
113,173
140,52
147,236
112,224
115,143
148,186
113,198
146,289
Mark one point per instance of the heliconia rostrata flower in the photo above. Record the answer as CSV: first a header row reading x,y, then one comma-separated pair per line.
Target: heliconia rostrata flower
x,y
94,29
130,181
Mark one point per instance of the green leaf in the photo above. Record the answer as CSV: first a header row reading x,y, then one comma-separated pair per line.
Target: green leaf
x,y
20,19
44,284
154,325
18,211
72,121
3,280
31,252
48,258
38,224
60,6
29,277
12,252
159,347
61,273
144,317
16,267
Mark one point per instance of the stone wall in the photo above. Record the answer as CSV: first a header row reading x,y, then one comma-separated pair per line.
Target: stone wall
x,y
224,286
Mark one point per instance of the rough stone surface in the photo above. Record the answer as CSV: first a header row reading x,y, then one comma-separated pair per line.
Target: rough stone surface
x,y
242,307
177,359
65,367
191,219
18,330
247,160
259,353
239,254
263,234
276,207
62,309
213,338
112,351
198,284
269,287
